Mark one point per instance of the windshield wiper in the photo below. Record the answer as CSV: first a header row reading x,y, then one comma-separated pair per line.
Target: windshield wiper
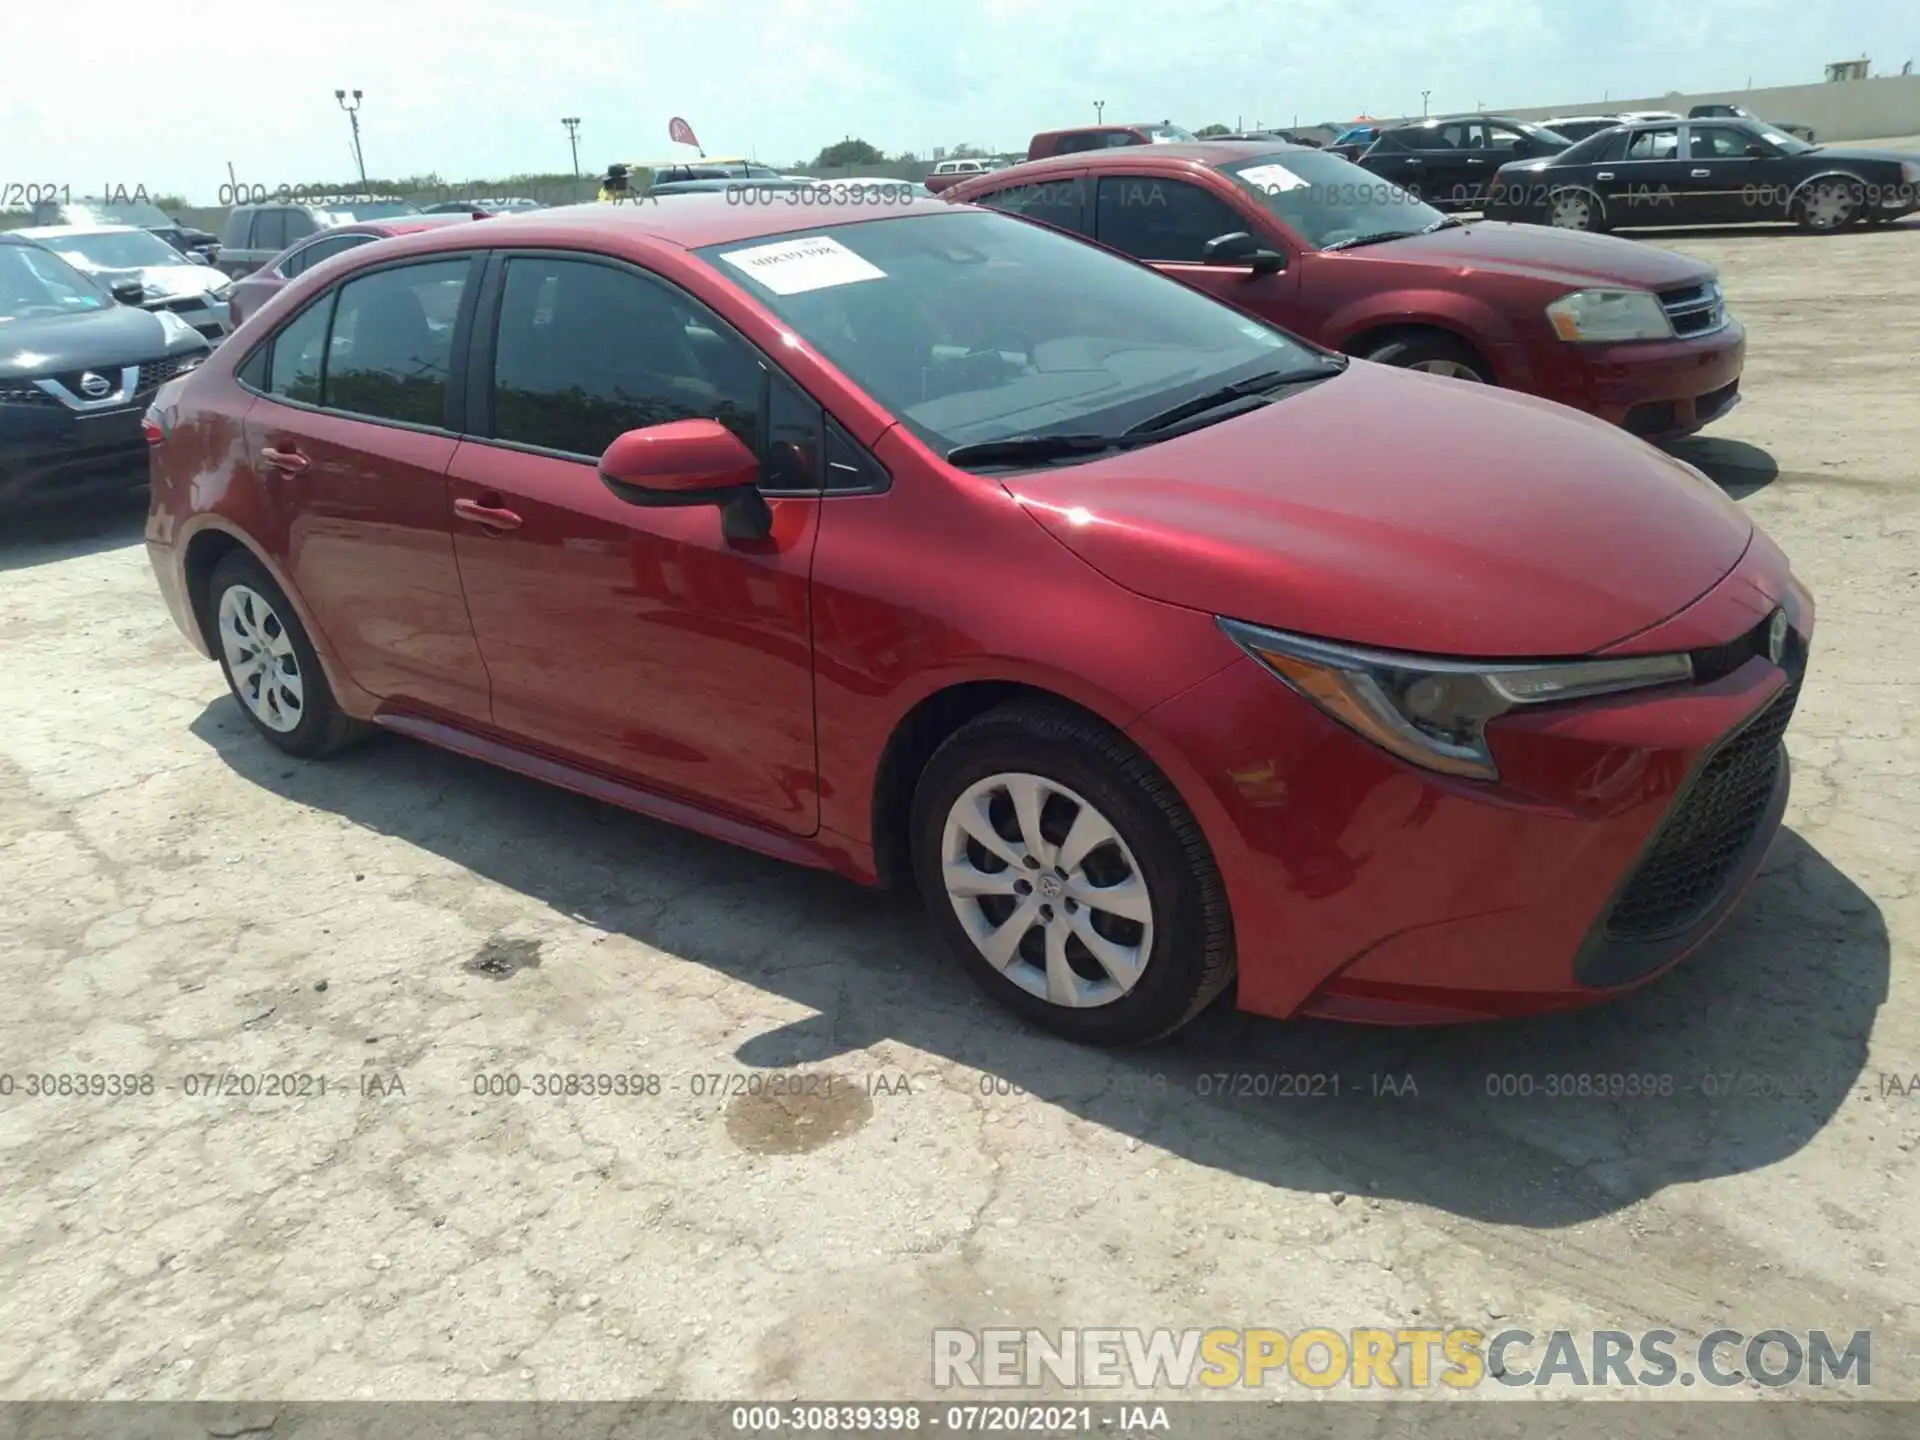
x,y
1445,222
1034,447
1247,389
1373,238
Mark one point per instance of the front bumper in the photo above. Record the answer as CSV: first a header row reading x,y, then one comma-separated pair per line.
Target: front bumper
x,y
1658,389
1363,888
48,452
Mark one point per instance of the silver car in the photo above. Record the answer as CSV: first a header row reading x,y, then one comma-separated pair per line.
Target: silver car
x,y
168,280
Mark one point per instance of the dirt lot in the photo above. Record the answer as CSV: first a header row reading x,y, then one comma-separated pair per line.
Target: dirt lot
x,y
181,901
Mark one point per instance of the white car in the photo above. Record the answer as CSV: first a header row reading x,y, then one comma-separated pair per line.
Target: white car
x,y
880,182
168,280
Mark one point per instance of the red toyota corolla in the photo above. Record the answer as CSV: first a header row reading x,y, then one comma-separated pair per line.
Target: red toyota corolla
x,y
926,545
251,291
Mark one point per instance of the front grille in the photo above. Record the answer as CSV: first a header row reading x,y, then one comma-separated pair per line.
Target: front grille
x,y
1688,865
155,373
25,392
1695,309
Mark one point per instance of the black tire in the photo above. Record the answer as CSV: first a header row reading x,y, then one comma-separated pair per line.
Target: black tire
x,y
323,728
1191,959
1852,193
1422,348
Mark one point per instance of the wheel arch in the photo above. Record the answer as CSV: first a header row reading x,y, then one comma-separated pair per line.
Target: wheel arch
x,y
1361,342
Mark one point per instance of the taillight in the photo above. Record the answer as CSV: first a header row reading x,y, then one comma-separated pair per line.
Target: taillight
x,y
153,426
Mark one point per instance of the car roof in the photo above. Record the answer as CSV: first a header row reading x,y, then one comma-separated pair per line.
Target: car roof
x,y
399,224
688,221
54,232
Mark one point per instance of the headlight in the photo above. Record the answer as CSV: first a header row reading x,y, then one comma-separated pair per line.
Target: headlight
x,y
1588,315
1910,172
173,327
1433,712
221,288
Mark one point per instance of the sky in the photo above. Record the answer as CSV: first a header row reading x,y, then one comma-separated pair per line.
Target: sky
x,y
168,99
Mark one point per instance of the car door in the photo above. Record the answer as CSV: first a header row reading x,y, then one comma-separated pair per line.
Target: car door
x,y
1168,221
639,641
350,442
1647,185
1726,181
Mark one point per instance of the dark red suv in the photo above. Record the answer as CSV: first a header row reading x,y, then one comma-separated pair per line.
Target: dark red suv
x,y
915,542
1636,335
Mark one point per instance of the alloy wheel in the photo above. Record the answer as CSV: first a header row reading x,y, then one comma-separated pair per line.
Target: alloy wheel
x,y
1830,206
1452,369
1047,890
261,659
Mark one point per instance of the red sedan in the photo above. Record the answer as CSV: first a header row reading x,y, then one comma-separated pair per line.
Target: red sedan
x,y
251,291
1639,336
909,540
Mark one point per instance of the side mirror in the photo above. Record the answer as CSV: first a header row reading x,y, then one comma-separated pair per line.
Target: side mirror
x,y
1758,151
1240,248
128,292
690,462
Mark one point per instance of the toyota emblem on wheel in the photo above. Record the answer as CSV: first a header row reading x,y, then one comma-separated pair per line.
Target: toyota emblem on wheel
x,y
94,386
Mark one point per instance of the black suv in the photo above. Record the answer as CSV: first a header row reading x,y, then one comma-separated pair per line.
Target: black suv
x,y
80,368
255,234
1447,163
192,243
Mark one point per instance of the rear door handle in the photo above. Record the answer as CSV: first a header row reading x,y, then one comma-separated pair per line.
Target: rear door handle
x,y
1603,175
1701,174
291,461
492,517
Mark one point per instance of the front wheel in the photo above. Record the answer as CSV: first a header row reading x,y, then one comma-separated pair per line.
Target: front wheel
x,y
1829,206
1069,878
1435,354
1575,210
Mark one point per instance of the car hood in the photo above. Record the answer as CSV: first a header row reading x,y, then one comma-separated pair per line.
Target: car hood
x,y
1857,153
98,339
1571,257
169,282
1407,512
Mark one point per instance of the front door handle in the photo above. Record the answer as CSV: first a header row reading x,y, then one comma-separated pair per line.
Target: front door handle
x,y
1603,175
492,517
1701,174
291,461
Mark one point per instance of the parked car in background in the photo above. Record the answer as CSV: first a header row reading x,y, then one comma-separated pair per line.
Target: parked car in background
x,y
1283,137
1447,163
1106,137
948,173
1740,112
1579,127
1354,141
1707,172
254,234
187,239
1635,117
745,518
250,293
745,191
482,209
168,280
1310,242
79,366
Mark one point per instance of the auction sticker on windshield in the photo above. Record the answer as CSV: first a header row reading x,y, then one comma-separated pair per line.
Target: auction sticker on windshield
x,y
1272,178
792,267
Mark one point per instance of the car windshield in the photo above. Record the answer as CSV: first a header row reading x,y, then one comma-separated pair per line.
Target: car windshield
x,y
975,327
1326,200
115,250
120,212
36,284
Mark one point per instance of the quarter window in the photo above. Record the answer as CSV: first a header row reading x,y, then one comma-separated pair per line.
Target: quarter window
x,y
391,348
587,352
1165,220
297,351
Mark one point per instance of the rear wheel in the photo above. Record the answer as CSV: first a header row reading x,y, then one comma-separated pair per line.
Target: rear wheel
x,y
1575,210
1433,353
270,663
1069,878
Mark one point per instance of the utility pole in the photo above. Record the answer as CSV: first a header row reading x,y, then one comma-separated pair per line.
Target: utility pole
x,y
1423,103
1099,108
353,115
572,122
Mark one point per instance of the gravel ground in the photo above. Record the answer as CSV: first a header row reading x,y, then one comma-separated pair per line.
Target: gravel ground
x,y
182,901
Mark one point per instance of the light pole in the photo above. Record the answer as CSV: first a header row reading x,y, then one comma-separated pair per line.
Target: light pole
x,y
353,115
1423,103
1099,109
572,122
